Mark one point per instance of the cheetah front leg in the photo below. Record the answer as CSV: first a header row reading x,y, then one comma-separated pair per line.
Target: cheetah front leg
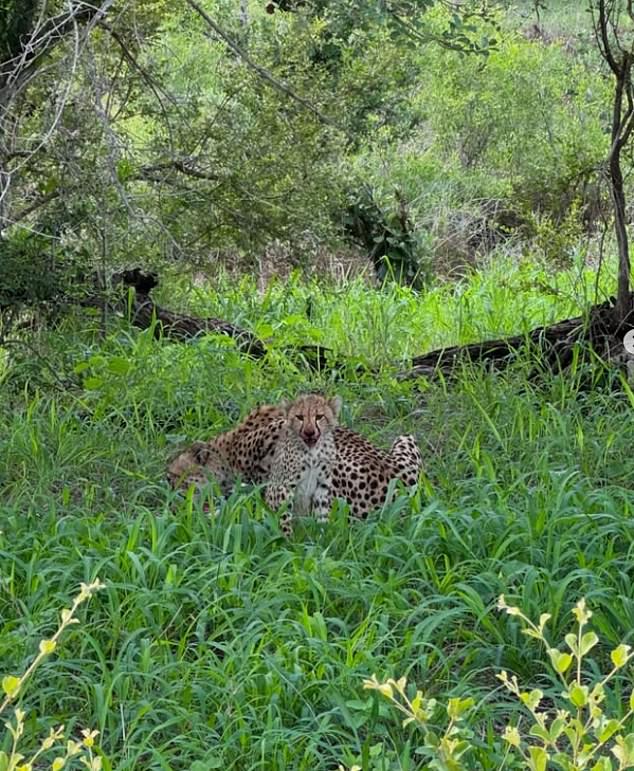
x,y
274,496
322,500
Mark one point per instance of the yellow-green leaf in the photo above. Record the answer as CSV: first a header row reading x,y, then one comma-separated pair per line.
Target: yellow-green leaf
x,y
457,707
560,661
11,685
47,646
579,695
620,655
608,730
588,641
538,759
543,619
532,699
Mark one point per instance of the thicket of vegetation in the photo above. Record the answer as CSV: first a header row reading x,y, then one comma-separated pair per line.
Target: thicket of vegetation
x,y
420,174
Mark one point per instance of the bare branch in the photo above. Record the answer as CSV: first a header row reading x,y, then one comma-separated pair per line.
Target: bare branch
x,y
35,205
157,89
15,72
263,73
603,37
183,166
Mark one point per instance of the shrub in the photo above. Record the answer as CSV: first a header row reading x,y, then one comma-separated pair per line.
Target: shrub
x,y
570,729
13,686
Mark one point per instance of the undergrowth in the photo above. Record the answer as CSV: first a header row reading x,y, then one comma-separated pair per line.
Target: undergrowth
x,y
217,643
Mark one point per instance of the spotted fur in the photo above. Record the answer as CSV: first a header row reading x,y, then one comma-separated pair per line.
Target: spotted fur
x,y
340,464
259,451
243,454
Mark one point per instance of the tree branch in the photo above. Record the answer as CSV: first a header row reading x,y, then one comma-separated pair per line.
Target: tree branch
x,y
15,72
263,73
157,89
39,202
181,166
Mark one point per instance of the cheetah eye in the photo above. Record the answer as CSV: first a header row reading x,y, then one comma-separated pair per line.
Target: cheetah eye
x,y
319,417
300,417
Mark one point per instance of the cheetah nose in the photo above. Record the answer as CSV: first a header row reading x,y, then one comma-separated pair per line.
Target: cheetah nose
x,y
310,436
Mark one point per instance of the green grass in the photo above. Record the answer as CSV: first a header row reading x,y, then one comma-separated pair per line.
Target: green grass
x,y
217,641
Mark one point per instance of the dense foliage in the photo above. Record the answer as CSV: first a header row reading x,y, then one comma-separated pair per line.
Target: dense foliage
x,y
166,141
334,144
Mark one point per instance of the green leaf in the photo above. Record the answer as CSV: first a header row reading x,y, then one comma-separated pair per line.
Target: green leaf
x,y
11,685
538,758
431,739
4,761
532,699
560,661
540,732
578,695
118,365
124,170
556,727
571,642
624,750
457,707
563,761
588,641
93,383
620,655
47,647
604,764
264,330
608,730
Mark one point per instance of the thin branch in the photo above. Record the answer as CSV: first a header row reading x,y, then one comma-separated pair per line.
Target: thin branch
x,y
179,165
605,45
37,204
263,73
157,89
16,71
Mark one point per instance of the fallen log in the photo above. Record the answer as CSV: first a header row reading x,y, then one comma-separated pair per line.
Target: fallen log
x,y
143,312
553,345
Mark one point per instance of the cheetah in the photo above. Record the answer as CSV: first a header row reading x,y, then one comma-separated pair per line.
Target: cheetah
x,y
316,461
244,453
360,473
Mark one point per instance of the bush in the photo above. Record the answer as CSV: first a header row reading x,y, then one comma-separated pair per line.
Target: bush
x,y
578,727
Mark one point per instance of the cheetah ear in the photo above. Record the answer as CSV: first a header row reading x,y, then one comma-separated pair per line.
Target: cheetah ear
x,y
285,405
335,405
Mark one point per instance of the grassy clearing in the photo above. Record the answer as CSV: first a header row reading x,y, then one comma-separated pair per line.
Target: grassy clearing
x,y
218,643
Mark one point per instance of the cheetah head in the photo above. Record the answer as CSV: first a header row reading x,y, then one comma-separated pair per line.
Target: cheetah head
x,y
196,465
312,416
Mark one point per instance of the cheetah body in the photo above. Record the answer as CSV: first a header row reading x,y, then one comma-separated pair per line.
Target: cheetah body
x,y
244,453
345,465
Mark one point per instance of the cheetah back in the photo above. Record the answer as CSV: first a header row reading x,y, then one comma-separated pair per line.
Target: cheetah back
x,y
361,473
245,452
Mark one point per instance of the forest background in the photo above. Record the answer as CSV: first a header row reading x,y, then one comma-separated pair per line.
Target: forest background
x,y
380,179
